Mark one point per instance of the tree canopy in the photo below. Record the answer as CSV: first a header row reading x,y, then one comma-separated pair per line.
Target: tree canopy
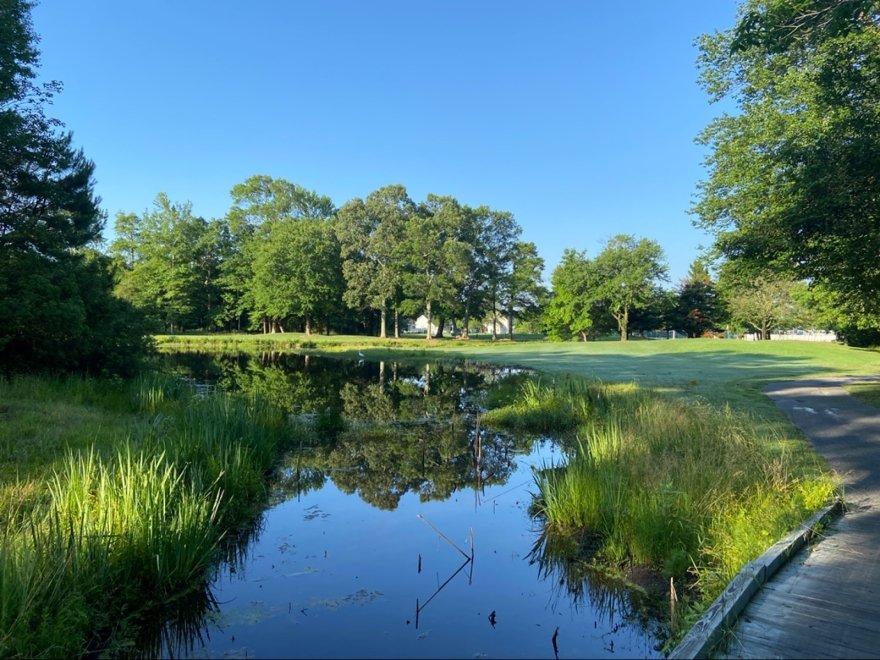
x,y
56,309
793,183
627,271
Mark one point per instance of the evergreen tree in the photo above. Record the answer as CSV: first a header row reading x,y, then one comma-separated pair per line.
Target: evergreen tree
x,y
697,308
56,306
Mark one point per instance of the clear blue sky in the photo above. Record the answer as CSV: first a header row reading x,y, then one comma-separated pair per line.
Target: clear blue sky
x,y
579,117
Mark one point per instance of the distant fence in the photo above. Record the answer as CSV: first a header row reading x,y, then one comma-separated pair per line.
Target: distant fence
x,y
796,335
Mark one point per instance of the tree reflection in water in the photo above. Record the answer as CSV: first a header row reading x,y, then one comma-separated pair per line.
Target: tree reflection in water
x,y
381,429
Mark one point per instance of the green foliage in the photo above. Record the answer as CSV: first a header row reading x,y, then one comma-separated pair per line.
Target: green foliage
x,y
792,185
128,523
169,262
56,305
371,235
284,259
572,310
698,307
627,270
762,304
541,407
522,289
296,274
619,281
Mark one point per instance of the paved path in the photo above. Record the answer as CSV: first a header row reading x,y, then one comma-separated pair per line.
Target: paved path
x,y
826,602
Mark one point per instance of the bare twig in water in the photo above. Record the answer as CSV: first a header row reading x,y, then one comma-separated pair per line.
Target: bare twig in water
x,y
440,588
555,647
471,571
443,536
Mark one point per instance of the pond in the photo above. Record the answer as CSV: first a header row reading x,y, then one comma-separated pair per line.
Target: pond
x,y
404,531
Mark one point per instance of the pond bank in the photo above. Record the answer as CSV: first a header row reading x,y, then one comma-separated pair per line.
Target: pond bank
x,y
113,513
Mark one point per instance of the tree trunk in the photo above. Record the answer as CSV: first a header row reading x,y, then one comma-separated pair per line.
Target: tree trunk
x,y
308,327
440,323
510,321
396,324
584,336
382,321
624,323
465,331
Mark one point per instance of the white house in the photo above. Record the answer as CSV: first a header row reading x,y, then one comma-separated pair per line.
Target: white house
x,y
421,325
501,326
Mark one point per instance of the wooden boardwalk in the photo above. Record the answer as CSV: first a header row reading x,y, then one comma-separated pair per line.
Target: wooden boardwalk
x,y
826,602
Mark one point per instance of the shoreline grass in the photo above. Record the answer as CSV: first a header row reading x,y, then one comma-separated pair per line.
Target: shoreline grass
x,y
687,490
144,481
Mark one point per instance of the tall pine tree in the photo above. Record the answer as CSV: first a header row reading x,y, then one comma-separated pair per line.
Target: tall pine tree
x,y
56,310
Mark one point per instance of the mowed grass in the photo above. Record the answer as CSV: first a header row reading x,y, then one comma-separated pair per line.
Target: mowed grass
x,y
868,393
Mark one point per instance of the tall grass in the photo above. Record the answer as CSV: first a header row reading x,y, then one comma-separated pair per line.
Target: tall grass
x,y
679,486
545,406
127,525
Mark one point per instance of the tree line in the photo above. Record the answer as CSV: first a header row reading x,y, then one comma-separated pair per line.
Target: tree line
x,y
284,258
57,311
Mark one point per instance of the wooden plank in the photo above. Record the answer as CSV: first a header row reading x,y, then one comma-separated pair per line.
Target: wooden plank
x,y
829,589
849,606
819,634
752,643
851,614
800,647
721,614
852,604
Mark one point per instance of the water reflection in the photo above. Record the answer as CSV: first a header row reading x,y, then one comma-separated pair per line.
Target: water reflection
x,y
390,443
565,561
383,430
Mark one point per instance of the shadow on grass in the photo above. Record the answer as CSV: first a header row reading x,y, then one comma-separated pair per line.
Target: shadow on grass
x,y
681,372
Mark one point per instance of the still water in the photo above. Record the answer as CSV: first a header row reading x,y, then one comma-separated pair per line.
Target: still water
x,y
404,530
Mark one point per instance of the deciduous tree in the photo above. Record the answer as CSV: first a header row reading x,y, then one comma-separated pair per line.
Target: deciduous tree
x,y
793,183
627,270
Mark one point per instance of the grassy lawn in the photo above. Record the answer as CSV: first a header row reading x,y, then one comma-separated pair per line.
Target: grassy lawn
x,y
868,393
717,370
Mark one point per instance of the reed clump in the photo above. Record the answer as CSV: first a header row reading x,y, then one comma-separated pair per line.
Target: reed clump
x,y
129,522
548,406
690,490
